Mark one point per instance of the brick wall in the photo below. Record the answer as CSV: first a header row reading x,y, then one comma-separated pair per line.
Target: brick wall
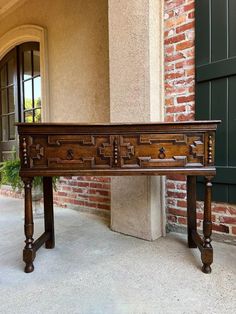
x,y
84,193
179,106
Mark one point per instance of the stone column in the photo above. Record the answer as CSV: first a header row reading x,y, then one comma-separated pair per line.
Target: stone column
x,y
136,95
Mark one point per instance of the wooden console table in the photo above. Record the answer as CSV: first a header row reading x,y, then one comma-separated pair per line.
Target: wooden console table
x,y
117,150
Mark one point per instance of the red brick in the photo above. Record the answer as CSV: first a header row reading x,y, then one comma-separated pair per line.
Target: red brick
x,y
185,27
81,184
189,7
79,190
176,194
98,199
220,228
89,204
66,188
174,57
99,185
191,15
185,81
104,206
169,50
99,192
185,117
170,185
61,193
169,119
191,89
173,75
169,102
175,109
177,212
233,230
185,99
199,215
181,203
175,39
231,210
219,209
77,202
182,220
174,4
184,45
177,177
175,21
228,220
190,72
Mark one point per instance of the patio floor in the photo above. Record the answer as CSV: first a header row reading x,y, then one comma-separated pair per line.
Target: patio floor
x,y
94,270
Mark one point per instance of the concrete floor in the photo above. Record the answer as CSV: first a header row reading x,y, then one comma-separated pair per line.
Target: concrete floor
x,y
94,270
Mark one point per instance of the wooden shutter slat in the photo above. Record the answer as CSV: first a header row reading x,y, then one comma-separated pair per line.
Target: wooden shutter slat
x,y
216,70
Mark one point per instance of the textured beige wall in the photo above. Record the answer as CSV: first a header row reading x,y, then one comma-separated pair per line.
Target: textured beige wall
x,y
77,53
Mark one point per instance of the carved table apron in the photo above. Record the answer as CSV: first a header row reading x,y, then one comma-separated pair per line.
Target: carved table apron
x,y
48,150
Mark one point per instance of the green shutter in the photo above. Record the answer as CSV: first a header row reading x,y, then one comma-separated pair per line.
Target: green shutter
x,y
216,87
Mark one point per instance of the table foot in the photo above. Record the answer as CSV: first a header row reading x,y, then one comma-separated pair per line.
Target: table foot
x,y
28,258
29,268
206,269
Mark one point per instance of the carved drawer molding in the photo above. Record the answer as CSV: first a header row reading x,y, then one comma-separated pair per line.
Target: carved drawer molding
x,y
132,151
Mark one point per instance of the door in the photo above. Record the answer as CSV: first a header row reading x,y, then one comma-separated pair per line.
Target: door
x,y
216,86
20,94
8,105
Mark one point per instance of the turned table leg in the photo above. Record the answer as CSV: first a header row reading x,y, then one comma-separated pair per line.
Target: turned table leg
x,y
191,210
48,211
28,252
207,251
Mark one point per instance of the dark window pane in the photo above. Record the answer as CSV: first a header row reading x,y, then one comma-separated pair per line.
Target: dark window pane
x,y
37,92
4,129
4,101
36,62
27,65
37,115
12,128
3,77
28,102
11,71
29,116
11,100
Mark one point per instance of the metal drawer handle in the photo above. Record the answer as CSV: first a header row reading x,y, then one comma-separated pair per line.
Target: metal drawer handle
x,y
162,154
70,154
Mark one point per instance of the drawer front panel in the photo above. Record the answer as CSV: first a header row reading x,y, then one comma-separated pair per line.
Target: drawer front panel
x,y
70,152
112,151
162,150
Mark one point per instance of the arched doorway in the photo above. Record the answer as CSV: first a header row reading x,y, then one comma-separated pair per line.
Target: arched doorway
x,y
20,93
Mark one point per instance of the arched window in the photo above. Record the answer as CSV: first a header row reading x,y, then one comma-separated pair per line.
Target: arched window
x,y
20,93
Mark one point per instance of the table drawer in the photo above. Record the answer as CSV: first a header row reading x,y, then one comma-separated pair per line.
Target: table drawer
x,y
162,150
111,151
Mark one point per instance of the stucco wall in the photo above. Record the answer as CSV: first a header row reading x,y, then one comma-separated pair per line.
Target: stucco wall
x,y
77,53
